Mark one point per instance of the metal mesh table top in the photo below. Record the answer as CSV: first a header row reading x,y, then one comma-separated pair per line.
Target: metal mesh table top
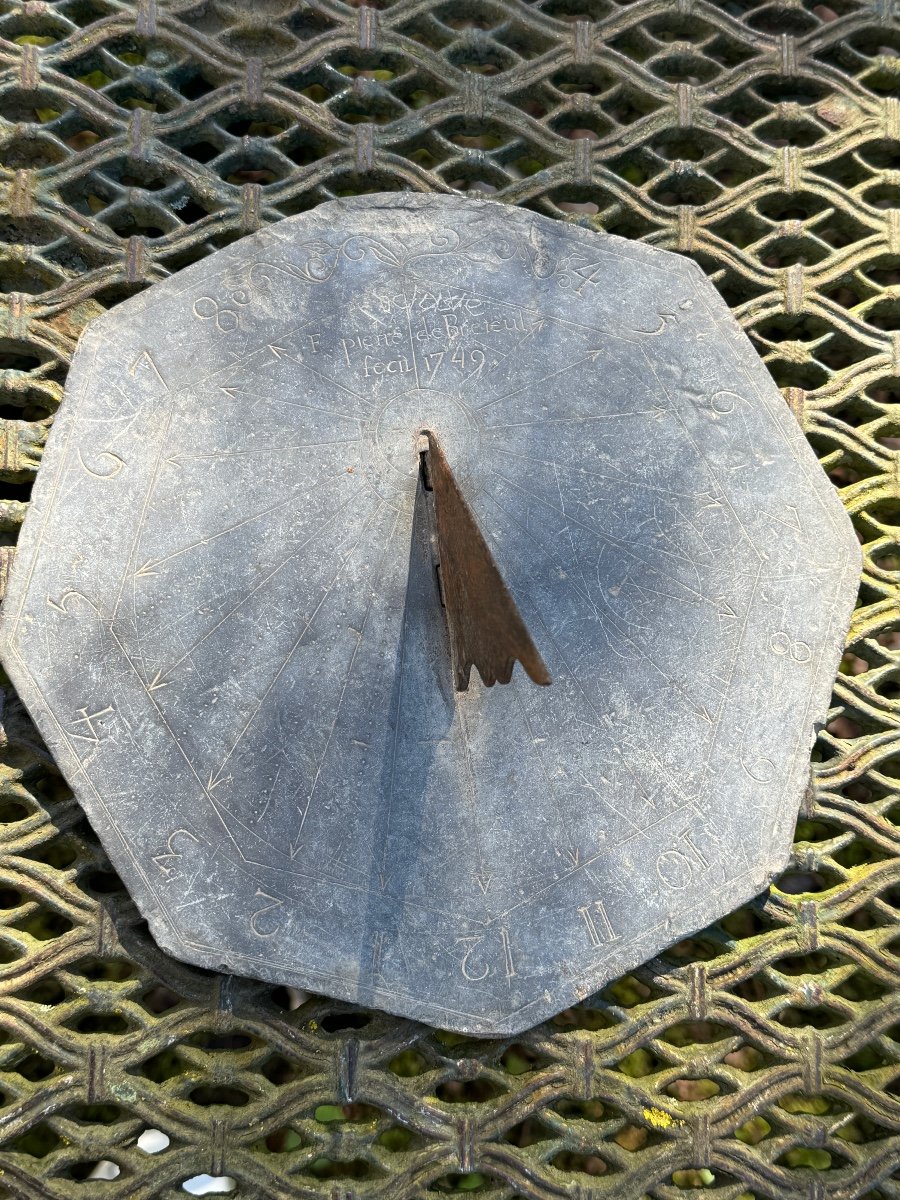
x,y
757,1059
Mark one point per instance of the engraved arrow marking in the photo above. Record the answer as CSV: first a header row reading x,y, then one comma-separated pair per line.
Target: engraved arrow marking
x,y
283,352
314,535
151,565
486,628
297,843
217,776
656,412
481,875
234,392
788,518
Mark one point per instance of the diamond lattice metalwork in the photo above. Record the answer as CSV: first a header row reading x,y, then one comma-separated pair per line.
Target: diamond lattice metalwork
x,y
759,1058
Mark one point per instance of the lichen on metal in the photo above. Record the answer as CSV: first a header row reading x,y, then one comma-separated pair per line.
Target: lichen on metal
x,y
756,1058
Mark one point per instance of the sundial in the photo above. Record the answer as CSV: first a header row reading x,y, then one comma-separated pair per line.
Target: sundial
x,y
431,604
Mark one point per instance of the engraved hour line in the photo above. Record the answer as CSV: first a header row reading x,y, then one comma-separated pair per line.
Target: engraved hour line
x,y
703,458
320,529
295,844
216,776
178,459
699,710
383,875
203,900
293,404
127,573
657,411
589,355
618,479
481,876
576,558
727,681
536,750
370,404
609,804
149,567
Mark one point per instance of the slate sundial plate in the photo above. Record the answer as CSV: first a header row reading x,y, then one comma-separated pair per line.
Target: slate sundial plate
x,y
225,621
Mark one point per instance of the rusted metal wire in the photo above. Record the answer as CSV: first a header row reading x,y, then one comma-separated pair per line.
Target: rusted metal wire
x,y
758,1059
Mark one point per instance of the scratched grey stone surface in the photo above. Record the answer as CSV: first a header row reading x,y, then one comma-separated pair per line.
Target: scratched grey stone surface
x,y
223,614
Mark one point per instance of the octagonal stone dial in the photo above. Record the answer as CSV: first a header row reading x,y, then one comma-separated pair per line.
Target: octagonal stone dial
x,y
224,615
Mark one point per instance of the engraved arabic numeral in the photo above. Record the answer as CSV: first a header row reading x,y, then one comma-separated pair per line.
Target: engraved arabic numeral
x,y
87,731
165,861
760,770
225,318
273,906
781,644
436,357
67,598
723,401
112,464
677,867
475,963
587,273
377,951
473,971
144,361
